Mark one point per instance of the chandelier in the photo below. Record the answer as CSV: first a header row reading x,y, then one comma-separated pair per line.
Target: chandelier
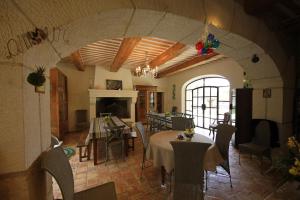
x,y
145,70
207,43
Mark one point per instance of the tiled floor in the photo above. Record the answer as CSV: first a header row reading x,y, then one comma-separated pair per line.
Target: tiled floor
x,y
248,182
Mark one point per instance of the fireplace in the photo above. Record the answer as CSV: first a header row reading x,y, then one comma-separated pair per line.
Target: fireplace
x,y
113,101
116,106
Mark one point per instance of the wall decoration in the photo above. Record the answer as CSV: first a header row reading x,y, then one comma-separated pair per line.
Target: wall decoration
x,y
267,93
21,43
114,84
174,92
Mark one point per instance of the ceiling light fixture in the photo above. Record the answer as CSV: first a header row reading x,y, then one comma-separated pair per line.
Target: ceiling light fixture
x,y
145,70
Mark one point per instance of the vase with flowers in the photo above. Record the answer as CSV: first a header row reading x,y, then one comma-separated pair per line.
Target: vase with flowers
x,y
289,164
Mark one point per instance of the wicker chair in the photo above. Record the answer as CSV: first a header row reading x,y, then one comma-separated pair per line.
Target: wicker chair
x,y
145,140
189,173
105,114
57,164
260,145
214,125
223,137
182,123
114,137
55,142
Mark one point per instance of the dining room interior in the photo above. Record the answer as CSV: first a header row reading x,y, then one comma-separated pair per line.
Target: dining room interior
x,y
159,99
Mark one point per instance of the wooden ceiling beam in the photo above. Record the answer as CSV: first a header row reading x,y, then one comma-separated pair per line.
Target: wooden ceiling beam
x,y
169,54
185,65
126,48
76,59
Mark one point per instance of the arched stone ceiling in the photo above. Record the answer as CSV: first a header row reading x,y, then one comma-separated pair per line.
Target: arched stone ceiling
x,y
85,22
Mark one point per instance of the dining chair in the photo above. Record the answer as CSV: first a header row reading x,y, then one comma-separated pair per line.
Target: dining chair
x,y
105,114
153,122
55,162
145,141
114,138
223,137
182,123
55,141
260,144
189,174
213,127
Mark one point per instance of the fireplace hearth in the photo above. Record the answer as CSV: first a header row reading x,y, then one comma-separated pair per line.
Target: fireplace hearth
x,y
112,100
117,106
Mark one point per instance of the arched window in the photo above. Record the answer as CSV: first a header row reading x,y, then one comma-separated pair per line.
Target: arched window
x,y
207,99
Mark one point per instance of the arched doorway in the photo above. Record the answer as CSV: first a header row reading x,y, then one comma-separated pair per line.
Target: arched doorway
x,y
207,99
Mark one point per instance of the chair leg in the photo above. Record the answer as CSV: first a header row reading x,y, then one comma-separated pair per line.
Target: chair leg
x,y
106,153
206,179
230,180
80,154
89,151
239,158
143,164
261,164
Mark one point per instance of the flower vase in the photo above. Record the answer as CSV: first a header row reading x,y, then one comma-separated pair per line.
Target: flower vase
x,y
40,89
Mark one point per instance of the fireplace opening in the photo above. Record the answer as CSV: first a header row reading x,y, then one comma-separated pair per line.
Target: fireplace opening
x,y
117,106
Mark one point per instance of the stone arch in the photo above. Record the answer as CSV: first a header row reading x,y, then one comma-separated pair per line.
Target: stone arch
x,y
174,20
179,25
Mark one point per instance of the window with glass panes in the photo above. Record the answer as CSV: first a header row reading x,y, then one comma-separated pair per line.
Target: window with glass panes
x,y
207,99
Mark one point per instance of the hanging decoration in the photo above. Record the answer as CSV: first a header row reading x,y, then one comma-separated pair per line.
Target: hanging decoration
x,y
37,79
207,45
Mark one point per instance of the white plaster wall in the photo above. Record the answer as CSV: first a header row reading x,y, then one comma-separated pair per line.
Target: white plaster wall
x,y
226,68
24,117
78,84
102,74
12,145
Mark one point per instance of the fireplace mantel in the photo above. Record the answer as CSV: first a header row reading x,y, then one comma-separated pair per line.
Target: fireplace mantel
x,y
94,93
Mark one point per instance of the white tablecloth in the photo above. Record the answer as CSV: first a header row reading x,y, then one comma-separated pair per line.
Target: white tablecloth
x,y
161,151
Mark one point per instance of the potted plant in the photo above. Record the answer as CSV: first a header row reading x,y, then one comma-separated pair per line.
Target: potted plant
x,y
37,78
289,163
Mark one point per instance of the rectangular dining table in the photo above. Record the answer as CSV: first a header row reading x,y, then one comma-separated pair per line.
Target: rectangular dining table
x,y
97,132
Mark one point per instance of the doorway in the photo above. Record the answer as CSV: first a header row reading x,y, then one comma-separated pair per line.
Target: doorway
x,y
207,99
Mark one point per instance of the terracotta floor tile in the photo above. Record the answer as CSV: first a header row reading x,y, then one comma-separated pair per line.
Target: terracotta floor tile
x,y
248,182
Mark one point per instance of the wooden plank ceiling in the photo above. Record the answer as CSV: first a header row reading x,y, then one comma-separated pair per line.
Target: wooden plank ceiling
x,y
130,53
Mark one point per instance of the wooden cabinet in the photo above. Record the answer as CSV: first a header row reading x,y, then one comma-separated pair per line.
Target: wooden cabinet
x,y
243,115
58,103
148,101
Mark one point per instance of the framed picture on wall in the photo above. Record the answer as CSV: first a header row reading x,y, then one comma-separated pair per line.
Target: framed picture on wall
x,y
113,84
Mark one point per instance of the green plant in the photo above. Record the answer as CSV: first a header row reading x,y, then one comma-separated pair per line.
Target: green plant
x,y
289,164
37,78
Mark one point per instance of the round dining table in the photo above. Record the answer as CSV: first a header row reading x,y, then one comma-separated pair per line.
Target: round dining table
x,y
161,152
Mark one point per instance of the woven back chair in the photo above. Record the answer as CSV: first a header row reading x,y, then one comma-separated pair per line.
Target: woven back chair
x,y
145,140
182,123
223,137
189,172
57,164
260,145
114,137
